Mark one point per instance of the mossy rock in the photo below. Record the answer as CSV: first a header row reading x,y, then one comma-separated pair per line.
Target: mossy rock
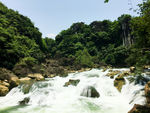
x,y
72,82
125,73
119,82
25,87
112,73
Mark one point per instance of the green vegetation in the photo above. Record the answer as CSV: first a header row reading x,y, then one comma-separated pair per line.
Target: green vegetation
x,y
123,42
18,38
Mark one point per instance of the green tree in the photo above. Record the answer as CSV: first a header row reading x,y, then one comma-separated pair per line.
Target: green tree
x,y
83,58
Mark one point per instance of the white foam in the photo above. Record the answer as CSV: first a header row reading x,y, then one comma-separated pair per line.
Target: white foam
x,y
55,98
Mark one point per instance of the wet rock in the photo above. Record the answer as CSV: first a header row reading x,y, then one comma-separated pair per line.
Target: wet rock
x,y
124,73
146,66
147,69
25,80
72,82
51,76
26,84
26,87
36,76
132,69
4,83
112,73
71,71
3,90
141,79
90,91
147,92
104,69
119,82
14,82
24,101
147,73
84,69
140,109
131,79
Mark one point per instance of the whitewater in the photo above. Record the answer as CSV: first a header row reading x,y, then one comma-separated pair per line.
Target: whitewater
x,y
50,96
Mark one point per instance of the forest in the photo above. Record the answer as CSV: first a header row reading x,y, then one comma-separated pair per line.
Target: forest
x,y
120,43
101,67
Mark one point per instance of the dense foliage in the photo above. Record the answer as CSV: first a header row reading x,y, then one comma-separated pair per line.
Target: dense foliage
x,y
102,41
125,41
18,38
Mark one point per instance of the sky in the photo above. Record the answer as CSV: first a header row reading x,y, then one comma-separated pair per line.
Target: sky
x,y
53,16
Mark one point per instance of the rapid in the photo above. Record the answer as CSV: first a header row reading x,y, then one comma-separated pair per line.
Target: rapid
x,y
50,96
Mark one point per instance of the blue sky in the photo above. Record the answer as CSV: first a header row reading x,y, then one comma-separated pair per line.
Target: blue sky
x,y
53,16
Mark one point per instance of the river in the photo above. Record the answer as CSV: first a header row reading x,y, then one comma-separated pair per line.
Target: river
x,y
50,96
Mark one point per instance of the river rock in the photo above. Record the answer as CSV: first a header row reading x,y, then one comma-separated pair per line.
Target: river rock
x,y
24,101
3,90
84,69
51,75
124,73
4,83
90,91
8,78
25,80
140,109
132,69
147,92
112,73
14,81
36,76
119,82
72,82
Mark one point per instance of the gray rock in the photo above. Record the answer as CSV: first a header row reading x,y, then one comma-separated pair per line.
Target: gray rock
x,y
90,91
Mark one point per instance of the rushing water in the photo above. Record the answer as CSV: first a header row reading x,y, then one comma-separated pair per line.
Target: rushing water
x,y
50,96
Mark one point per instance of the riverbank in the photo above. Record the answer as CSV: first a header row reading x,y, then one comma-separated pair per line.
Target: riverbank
x,y
23,73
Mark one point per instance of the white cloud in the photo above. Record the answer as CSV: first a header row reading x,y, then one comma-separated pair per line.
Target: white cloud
x,y
51,35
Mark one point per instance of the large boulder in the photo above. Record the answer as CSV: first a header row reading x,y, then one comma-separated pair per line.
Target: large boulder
x,y
36,76
119,82
112,73
3,90
72,82
90,91
140,109
147,92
